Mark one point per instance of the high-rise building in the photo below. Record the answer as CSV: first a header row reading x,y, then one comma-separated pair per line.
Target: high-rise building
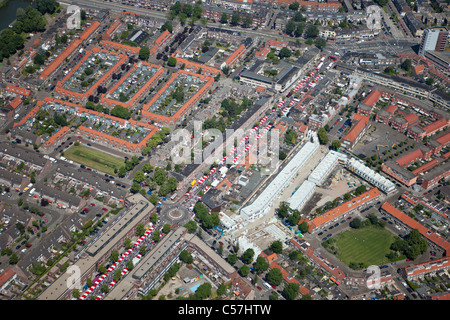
x,y
434,39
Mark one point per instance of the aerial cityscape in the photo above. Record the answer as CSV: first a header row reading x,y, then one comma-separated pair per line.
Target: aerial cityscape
x,y
228,150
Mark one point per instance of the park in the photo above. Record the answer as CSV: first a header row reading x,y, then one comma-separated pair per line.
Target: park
x,y
94,159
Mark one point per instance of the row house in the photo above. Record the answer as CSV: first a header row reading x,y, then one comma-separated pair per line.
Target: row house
x,y
429,268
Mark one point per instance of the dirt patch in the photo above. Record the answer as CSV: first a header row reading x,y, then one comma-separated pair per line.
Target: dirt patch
x,y
312,203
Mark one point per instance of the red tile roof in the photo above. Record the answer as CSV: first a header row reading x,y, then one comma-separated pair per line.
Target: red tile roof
x,y
413,224
425,167
355,131
56,137
302,289
409,158
68,50
17,89
372,98
146,113
436,125
319,259
15,102
428,266
411,118
391,108
444,139
235,55
5,276
343,208
276,43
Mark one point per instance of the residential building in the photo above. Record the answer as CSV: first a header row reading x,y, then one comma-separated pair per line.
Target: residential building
x,y
405,220
356,132
429,268
328,218
434,39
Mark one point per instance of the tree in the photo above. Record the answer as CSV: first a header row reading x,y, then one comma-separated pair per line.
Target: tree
x,y
284,53
139,176
114,256
290,27
172,62
232,258
147,167
284,209
360,190
135,187
187,9
76,293
203,291
294,6
224,18
156,236
274,276
244,270
290,137
121,112
144,53
303,227
320,43
13,259
381,3
291,290
323,137
261,265
46,6
247,21
197,12
312,31
221,290
294,217
356,223
235,19
160,175
247,256
298,32
166,228
191,226
186,257
276,246
406,65
140,229
39,59
128,243
167,26
336,144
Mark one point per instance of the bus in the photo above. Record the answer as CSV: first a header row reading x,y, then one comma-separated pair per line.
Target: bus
x,y
332,58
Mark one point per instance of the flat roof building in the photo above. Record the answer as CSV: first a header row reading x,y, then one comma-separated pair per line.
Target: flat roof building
x,y
264,201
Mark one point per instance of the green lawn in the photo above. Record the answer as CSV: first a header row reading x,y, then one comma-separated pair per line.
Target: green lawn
x,y
94,159
368,245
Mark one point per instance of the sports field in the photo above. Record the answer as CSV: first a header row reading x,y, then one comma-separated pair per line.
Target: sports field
x,y
94,159
368,245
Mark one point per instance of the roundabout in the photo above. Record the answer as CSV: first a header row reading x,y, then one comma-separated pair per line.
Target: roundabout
x,y
175,214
